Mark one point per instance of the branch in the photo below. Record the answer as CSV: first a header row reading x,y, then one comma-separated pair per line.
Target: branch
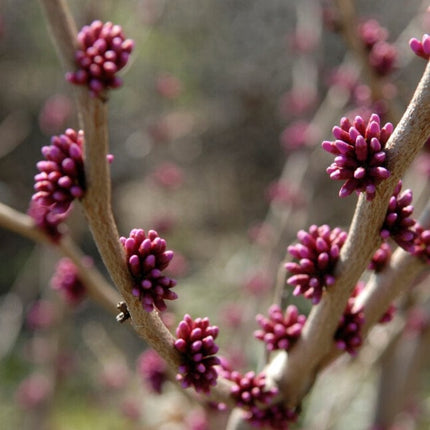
x,y
363,238
97,200
348,18
96,285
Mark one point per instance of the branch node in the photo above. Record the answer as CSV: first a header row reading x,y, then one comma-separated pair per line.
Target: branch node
x,y
124,315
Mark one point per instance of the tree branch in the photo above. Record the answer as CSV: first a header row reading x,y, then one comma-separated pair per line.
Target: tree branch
x,y
97,287
363,238
97,200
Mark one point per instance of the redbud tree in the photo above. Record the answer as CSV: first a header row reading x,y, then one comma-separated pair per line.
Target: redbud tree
x,y
312,304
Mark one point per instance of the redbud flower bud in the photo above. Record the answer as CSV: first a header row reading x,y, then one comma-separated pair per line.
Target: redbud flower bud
x,y
102,52
347,335
422,244
360,155
398,222
61,178
421,48
317,254
147,257
381,258
153,370
196,342
66,280
249,390
280,331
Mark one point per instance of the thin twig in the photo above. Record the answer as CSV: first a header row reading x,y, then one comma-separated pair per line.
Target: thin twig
x,y
96,285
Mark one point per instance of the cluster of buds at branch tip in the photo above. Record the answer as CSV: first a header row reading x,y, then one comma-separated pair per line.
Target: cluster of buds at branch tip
x,y
147,257
360,155
280,331
196,343
421,47
317,254
102,52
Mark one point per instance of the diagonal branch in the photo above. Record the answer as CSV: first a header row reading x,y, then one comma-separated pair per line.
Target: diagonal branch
x,y
305,358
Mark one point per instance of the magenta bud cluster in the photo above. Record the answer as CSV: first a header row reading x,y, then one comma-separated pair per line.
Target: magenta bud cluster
x,y
317,254
102,52
348,333
61,178
153,370
398,223
276,417
66,281
280,330
249,390
381,258
360,154
147,257
45,220
421,47
382,55
196,343
422,243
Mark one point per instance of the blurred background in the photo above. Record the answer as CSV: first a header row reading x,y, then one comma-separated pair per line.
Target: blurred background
x,y
216,135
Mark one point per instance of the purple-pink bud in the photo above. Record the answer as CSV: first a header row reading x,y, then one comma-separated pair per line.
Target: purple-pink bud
x,y
359,155
280,331
153,370
146,258
421,48
66,281
249,390
348,333
196,343
317,255
102,52
61,178
398,222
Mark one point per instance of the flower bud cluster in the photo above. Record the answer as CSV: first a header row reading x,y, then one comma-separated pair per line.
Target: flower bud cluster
x,y
61,178
382,55
398,222
45,220
348,333
66,280
421,47
102,52
196,342
276,417
280,331
147,257
360,154
249,390
317,254
153,370
422,244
